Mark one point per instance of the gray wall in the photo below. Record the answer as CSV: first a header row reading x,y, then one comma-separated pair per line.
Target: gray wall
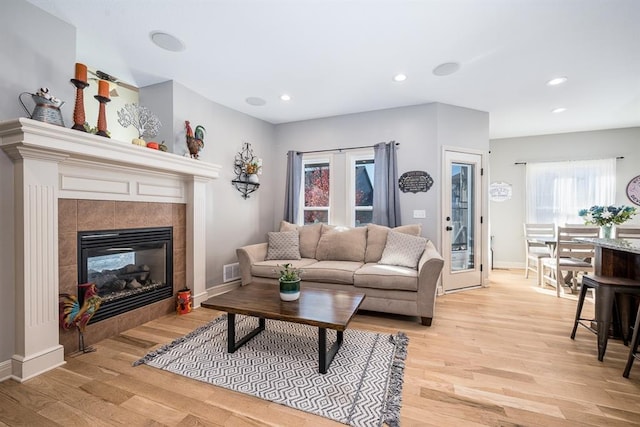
x,y
421,130
29,61
231,220
506,218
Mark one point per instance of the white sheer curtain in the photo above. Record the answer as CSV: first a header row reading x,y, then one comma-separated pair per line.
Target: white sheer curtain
x,y
556,191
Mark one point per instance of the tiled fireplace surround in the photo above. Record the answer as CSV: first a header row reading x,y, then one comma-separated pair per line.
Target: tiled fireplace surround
x,y
90,215
66,181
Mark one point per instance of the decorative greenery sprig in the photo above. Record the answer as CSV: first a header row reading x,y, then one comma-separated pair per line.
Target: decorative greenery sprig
x,y
288,273
607,215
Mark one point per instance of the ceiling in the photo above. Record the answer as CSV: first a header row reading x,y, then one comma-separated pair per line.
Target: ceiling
x,y
339,57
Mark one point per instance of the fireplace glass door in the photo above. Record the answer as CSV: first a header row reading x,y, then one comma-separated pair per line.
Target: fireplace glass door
x,y
131,268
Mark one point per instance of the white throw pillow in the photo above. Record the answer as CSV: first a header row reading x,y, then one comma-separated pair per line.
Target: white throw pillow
x,y
283,245
403,249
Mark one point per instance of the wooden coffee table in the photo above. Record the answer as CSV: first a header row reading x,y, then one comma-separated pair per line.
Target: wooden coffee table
x,y
325,309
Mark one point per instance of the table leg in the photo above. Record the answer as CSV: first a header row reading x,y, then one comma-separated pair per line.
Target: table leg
x,y
232,345
604,305
326,357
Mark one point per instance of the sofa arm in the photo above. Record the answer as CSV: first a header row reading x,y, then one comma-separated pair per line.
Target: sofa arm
x,y
247,256
429,269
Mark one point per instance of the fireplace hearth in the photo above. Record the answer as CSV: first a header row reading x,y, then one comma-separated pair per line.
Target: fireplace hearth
x,y
130,267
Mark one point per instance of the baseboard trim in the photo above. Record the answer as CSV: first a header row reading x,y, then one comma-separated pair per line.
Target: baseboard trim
x,y
5,370
509,265
223,288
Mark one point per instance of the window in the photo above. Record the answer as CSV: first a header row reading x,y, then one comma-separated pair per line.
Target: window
x,y
337,188
317,191
556,191
361,198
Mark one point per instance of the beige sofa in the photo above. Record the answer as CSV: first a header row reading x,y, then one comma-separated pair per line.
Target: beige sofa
x,y
352,259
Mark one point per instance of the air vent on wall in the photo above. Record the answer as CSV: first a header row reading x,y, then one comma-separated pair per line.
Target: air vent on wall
x,y
231,272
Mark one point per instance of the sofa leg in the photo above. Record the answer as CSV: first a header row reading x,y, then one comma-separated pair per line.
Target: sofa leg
x,y
426,321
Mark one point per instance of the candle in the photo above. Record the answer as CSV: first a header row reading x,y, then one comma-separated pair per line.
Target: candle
x,y
81,72
103,88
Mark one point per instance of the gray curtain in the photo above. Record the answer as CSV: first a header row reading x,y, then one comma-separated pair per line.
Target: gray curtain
x,y
386,196
292,189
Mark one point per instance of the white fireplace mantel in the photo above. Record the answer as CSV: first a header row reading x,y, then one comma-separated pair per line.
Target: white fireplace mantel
x,y
52,162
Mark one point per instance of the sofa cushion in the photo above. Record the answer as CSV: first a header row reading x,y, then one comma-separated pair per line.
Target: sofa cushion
x,y
403,249
308,235
377,238
271,269
283,245
342,244
379,276
331,272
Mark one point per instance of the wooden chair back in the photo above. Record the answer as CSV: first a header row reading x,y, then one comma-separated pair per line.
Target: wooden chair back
x,y
629,232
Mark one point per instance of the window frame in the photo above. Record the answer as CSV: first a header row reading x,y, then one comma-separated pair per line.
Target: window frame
x,y
313,158
352,158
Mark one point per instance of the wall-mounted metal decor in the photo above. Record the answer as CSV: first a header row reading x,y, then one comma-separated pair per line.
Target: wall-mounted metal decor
x,y
500,191
415,181
246,167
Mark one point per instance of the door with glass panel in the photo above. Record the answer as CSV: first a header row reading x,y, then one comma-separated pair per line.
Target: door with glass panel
x,y
462,212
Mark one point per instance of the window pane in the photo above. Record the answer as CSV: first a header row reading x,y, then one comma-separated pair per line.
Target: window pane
x,y
316,185
363,218
312,217
364,183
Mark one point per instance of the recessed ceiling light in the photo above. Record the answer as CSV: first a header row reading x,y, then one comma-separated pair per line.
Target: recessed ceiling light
x,y
559,110
285,97
557,81
166,41
254,100
399,77
446,69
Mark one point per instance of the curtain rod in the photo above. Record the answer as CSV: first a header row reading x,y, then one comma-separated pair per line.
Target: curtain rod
x,y
549,161
340,149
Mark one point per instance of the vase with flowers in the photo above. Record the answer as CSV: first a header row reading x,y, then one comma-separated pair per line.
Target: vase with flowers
x,y
252,169
289,282
607,216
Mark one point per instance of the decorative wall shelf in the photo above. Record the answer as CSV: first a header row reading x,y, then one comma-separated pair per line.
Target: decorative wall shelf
x,y
246,167
245,187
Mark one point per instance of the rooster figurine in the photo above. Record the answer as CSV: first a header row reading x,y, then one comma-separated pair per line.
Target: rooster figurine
x,y
194,142
71,314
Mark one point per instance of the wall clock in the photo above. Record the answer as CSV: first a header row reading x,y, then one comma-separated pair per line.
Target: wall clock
x,y
633,190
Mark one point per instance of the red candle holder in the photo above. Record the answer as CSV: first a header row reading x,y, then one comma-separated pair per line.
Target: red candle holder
x,y
78,112
102,116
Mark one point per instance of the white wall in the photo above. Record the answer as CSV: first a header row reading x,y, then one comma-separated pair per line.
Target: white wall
x,y
506,218
29,61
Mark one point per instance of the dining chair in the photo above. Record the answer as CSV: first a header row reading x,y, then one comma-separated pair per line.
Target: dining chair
x,y
628,232
570,256
536,237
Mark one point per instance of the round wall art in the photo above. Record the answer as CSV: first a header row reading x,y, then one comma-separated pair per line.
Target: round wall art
x,y
500,191
415,181
633,190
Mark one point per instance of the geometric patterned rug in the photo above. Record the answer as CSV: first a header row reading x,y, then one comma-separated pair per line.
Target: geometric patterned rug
x,y
362,387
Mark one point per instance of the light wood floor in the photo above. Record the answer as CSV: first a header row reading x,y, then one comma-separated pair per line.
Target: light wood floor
x,y
498,356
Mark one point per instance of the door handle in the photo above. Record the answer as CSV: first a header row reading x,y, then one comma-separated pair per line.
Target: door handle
x,y
448,228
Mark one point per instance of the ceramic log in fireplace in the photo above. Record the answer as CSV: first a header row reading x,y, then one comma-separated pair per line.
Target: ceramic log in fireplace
x,y
131,267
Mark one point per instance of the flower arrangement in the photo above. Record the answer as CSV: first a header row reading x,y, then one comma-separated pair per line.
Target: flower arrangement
x,y
288,273
253,167
607,215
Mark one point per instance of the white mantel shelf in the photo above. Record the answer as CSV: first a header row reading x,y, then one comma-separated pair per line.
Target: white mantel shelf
x,y
73,144
52,162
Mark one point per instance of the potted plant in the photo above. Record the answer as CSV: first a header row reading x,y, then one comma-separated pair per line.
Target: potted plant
x,y
289,282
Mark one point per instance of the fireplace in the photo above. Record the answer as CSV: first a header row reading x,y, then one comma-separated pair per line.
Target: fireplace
x,y
130,267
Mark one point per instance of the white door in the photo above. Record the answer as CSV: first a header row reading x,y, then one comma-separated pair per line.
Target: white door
x,y
462,220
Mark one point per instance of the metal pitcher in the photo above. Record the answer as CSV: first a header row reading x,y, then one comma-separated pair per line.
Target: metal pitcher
x,y
46,110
